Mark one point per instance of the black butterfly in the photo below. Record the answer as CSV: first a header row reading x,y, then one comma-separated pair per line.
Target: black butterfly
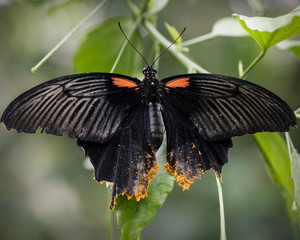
x,y
117,120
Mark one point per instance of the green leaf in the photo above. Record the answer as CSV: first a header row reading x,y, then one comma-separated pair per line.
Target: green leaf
x,y
173,32
269,31
295,162
276,156
133,216
228,27
98,52
292,45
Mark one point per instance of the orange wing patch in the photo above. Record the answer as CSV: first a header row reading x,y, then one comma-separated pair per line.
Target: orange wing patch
x,y
123,82
179,82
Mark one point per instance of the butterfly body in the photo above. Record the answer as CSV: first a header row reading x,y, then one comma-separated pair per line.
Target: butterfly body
x,y
154,125
119,121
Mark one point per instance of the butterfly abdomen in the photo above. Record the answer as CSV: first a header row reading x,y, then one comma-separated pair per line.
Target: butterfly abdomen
x,y
156,125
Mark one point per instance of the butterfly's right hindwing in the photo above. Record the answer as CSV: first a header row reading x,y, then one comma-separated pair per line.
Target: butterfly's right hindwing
x,y
189,155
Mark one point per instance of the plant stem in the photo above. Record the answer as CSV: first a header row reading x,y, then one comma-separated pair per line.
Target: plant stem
x,y
137,22
139,236
256,60
188,63
109,220
49,54
297,113
222,213
202,38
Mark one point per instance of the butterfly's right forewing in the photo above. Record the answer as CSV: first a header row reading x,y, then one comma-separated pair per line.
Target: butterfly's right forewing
x,y
222,107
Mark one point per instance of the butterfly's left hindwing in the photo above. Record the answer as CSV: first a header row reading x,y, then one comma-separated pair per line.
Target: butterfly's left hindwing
x,y
127,161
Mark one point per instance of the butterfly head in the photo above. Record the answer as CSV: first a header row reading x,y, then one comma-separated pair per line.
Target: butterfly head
x,y
150,84
149,72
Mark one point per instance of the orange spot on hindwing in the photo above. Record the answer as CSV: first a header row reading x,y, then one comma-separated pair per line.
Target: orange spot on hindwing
x,y
123,82
178,82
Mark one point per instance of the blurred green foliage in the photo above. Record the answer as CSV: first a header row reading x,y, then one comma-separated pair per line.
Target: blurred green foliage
x,y
45,191
89,59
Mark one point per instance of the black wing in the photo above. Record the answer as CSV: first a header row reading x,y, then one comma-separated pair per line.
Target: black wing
x,y
189,155
222,107
202,112
88,106
127,161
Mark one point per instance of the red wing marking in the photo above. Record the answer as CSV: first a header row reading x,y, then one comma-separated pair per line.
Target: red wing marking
x,y
178,82
123,82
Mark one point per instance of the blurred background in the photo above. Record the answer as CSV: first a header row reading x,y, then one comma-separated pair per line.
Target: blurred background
x,y
46,192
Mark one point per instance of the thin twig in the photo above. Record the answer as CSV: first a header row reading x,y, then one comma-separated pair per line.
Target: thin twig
x,y
51,52
109,220
200,39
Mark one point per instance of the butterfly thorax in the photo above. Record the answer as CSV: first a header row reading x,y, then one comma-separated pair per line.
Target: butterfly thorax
x,y
150,85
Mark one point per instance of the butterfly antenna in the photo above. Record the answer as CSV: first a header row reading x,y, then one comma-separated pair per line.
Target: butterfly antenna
x,y
132,44
168,47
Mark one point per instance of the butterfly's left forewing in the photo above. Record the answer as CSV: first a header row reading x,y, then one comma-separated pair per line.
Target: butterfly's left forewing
x,y
89,106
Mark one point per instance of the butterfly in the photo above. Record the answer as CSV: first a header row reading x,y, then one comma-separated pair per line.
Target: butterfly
x,y
120,121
